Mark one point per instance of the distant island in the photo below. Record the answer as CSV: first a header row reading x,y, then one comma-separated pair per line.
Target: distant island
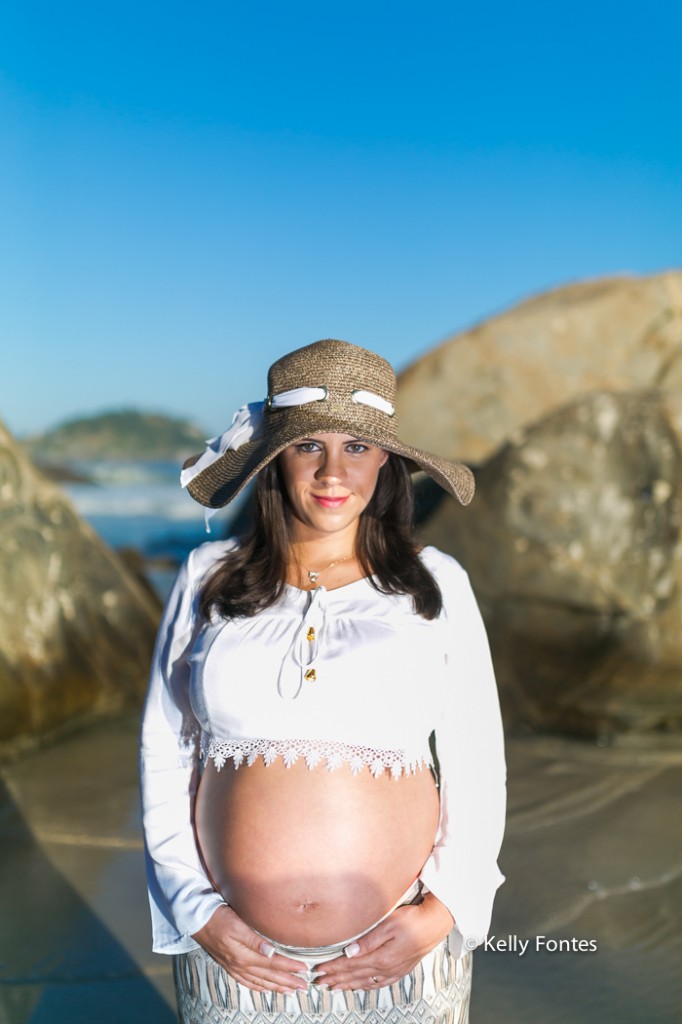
x,y
123,434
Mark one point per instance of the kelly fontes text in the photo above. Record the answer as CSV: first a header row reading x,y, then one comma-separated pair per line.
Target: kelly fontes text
x,y
540,943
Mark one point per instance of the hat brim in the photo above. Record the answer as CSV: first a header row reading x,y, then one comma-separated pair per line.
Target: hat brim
x,y
222,481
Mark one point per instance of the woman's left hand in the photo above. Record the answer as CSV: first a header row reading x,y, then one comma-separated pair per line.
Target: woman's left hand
x,y
392,949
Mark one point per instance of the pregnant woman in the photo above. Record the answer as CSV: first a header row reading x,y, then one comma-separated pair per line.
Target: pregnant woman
x,y
322,756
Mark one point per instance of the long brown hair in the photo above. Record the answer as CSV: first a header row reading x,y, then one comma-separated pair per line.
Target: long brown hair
x,y
253,577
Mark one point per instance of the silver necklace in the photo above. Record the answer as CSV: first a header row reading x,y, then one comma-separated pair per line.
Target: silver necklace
x,y
314,574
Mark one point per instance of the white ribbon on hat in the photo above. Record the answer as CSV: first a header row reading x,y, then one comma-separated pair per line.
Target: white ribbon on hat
x,y
297,396
375,401
246,425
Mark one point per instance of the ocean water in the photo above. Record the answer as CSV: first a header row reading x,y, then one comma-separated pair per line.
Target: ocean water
x,y
142,506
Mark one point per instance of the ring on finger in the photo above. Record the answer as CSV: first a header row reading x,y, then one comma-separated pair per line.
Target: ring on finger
x,y
374,979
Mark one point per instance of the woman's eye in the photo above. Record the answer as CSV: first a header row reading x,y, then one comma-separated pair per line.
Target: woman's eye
x,y
357,448
307,446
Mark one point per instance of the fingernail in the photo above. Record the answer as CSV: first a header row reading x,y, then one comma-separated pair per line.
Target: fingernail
x,y
266,949
352,950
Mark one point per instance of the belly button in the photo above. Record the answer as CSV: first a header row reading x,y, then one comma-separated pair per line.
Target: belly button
x,y
304,908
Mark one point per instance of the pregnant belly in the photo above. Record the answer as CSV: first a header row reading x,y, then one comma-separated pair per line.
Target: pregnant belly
x,y
313,857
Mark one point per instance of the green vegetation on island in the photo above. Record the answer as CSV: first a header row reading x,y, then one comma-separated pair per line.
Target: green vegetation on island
x,y
121,434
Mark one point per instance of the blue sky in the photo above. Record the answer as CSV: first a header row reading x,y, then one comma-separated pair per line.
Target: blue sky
x,y
188,191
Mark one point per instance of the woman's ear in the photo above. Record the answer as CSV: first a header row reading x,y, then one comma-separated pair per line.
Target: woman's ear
x,y
384,459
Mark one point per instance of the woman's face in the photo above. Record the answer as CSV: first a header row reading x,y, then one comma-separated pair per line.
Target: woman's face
x,y
330,479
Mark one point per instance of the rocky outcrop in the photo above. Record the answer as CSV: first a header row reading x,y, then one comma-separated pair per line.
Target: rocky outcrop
x,y
573,539
573,546
76,628
468,396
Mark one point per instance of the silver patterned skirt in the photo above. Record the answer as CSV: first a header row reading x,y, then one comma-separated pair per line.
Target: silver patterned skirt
x,y
437,991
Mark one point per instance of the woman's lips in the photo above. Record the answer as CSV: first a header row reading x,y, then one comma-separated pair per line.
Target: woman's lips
x,y
326,502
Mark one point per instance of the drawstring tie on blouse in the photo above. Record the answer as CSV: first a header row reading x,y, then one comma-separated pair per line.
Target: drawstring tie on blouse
x,y
298,666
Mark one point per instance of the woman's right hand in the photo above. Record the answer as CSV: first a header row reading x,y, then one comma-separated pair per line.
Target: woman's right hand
x,y
247,956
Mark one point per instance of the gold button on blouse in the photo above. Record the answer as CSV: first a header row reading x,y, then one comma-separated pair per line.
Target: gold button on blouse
x,y
311,675
310,635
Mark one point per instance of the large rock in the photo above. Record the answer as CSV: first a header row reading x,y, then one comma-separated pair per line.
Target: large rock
x,y
571,404
468,396
573,545
76,628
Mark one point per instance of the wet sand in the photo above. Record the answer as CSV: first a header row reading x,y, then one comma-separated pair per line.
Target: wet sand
x,y
593,854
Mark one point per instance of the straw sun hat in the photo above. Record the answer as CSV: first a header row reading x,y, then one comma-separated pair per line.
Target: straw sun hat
x,y
327,387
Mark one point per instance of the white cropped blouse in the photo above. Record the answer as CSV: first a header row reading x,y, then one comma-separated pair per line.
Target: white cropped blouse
x,y
343,676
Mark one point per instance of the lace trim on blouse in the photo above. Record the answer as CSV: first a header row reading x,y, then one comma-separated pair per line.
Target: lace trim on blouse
x,y
313,752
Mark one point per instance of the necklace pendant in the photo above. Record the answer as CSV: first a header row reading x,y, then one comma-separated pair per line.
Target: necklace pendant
x,y
312,576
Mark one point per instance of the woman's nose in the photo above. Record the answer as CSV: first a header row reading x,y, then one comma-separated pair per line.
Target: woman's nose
x,y
331,467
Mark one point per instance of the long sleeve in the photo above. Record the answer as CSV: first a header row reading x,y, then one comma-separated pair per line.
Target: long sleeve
x,y
181,896
462,870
